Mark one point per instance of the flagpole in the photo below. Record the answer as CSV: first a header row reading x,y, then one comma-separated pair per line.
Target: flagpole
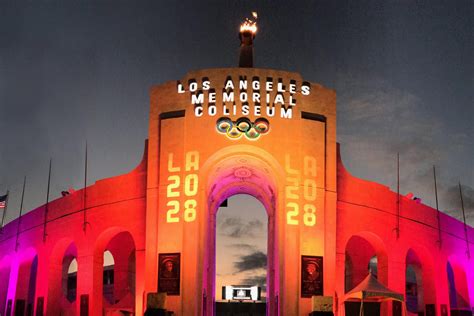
x,y
21,210
4,212
84,197
437,208
47,202
464,219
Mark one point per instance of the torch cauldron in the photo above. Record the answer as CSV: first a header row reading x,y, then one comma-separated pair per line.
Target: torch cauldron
x,y
248,29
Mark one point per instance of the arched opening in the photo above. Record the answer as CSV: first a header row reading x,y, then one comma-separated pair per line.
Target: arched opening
x,y
118,274
241,255
419,283
249,172
373,266
69,269
5,268
26,284
361,258
458,290
62,278
70,278
365,254
108,277
414,288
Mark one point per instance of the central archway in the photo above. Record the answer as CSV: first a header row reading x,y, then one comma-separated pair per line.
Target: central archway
x,y
242,170
241,256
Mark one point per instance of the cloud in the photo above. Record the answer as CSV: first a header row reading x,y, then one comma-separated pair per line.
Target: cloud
x,y
377,119
448,193
255,260
235,227
259,280
375,114
452,199
242,246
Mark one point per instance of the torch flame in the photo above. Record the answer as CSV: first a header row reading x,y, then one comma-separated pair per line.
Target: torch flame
x,y
249,25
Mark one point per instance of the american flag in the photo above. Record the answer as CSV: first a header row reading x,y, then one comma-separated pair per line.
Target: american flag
x,y
3,201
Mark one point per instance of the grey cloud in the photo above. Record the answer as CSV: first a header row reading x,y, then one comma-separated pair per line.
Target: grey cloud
x,y
377,119
236,227
259,280
379,112
243,246
452,200
230,222
448,193
255,260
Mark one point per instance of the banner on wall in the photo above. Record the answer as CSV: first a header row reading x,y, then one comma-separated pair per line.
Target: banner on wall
x,y
169,273
311,276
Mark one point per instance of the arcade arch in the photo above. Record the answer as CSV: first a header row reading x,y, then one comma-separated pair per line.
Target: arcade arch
x,y
458,288
62,286
118,272
419,281
365,253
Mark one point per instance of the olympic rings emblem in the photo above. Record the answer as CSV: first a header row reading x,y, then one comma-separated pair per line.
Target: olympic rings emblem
x,y
243,126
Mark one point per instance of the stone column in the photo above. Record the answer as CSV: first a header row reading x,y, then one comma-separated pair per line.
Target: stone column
x,y
340,279
89,282
396,279
13,282
121,273
43,281
139,281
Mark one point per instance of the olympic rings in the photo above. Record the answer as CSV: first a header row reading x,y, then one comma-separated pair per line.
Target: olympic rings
x,y
243,126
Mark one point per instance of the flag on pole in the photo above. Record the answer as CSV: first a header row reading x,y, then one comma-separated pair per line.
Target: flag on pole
x,y
3,201
3,206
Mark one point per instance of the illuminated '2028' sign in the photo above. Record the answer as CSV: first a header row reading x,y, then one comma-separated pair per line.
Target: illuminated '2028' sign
x,y
188,184
245,96
297,180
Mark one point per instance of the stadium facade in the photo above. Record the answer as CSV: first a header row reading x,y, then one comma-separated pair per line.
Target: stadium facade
x,y
213,134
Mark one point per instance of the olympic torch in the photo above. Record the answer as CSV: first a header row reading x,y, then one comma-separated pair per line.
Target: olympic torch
x,y
247,32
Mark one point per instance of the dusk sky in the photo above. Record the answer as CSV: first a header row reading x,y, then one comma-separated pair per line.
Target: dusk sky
x,y
241,244
72,71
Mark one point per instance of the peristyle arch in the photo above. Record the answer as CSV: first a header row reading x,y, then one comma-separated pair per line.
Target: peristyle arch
x,y
242,170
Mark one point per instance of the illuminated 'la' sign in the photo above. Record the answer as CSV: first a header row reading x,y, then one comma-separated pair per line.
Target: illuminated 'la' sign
x,y
174,189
